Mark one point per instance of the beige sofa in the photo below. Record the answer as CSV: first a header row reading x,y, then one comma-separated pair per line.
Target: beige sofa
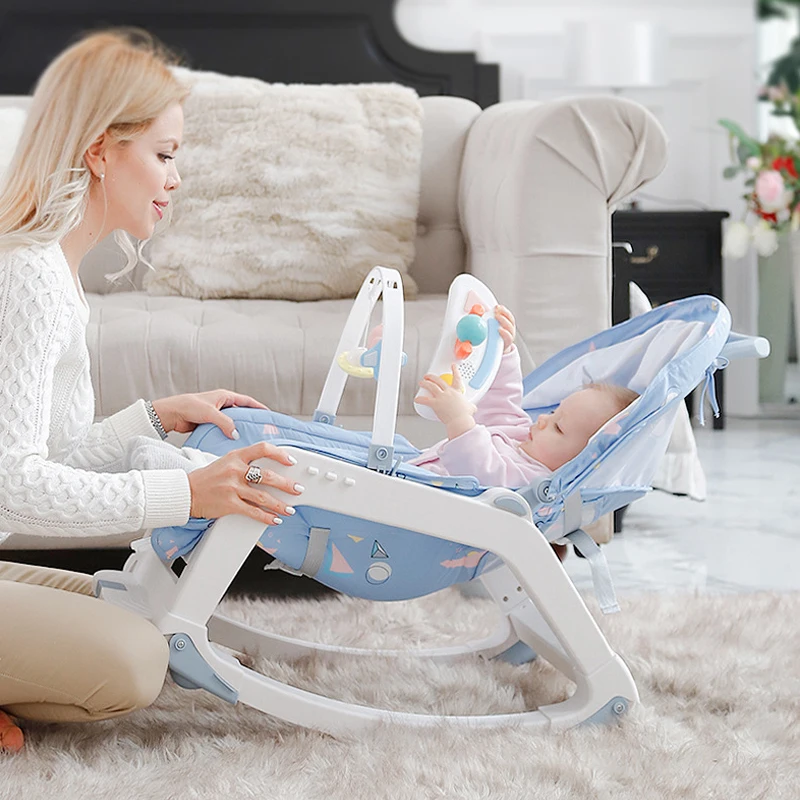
x,y
519,194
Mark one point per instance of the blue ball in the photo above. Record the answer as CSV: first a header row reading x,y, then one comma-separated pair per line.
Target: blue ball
x,y
471,329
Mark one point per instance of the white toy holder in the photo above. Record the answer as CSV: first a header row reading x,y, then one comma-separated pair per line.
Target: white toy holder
x,y
470,338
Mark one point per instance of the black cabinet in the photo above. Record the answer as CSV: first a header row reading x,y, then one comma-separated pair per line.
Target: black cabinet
x,y
674,254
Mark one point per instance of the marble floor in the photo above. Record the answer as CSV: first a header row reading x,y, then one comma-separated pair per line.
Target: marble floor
x,y
744,537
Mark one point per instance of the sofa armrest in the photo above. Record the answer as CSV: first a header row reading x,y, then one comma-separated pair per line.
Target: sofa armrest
x,y
538,185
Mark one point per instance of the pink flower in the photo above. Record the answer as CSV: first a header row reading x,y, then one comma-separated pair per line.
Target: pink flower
x,y
769,188
771,191
777,94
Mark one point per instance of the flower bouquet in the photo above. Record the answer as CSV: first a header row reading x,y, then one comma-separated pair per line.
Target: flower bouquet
x,y
771,171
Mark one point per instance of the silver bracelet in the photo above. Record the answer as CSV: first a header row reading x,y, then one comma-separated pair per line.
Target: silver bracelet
x,y
154,419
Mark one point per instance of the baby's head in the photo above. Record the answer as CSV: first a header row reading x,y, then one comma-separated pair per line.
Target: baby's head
x,y
558,437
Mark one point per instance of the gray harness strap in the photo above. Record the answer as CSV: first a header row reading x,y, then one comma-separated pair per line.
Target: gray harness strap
x,y
588,548
317,545
573,511
315,554
601,576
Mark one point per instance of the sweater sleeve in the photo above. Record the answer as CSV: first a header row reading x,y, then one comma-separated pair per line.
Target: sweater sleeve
x,y
40,496
104,449
502,403
477,453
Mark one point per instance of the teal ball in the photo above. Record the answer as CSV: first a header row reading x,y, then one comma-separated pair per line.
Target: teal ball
x,y
471,329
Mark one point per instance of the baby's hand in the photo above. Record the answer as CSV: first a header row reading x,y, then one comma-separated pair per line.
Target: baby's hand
x,y
508,327
448,403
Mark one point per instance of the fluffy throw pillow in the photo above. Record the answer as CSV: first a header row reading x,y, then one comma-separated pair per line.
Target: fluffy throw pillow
x,y
290,191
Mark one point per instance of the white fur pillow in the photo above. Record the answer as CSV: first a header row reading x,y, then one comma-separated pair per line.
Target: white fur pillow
x,y
290,191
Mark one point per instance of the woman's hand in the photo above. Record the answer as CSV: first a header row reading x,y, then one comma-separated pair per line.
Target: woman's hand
x,y
508,327
184,412
220,488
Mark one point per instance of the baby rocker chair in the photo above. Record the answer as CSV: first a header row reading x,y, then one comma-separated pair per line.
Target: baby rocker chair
x,y
370,525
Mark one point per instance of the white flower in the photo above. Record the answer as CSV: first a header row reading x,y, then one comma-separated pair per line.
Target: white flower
x,y
737,240
753,163
784,201
765,238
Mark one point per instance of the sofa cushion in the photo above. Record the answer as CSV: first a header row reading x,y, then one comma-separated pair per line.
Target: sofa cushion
x,y
274,350
290,191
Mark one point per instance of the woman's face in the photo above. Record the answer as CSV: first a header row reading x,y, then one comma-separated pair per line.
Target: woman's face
x,y
141,174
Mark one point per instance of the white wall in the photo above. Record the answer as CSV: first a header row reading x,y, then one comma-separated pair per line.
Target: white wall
x,y
713,74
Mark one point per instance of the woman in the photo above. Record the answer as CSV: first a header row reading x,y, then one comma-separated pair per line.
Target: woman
x,y
96,156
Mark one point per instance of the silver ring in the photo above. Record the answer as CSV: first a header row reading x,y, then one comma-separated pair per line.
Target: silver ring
x,y
253,474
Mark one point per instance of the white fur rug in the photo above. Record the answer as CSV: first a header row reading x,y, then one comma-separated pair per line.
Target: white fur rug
x,y
720,718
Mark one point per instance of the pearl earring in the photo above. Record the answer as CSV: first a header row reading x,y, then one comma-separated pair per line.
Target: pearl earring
x,y
102,175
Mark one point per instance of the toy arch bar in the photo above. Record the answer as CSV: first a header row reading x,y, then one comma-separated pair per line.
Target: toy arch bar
x,y
386,283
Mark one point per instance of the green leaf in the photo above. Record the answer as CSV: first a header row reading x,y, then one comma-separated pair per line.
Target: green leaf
x,y
746,143
743,153
767,9
731,172
786,69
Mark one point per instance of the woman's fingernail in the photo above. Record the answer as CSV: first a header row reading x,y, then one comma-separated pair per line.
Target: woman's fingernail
x,y
289,510
292,460
298,487
235,434
277,521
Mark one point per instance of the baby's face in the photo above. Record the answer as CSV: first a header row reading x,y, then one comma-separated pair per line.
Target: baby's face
x,y
558,437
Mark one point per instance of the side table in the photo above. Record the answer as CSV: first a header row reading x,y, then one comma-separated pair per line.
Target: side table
x,y
674,254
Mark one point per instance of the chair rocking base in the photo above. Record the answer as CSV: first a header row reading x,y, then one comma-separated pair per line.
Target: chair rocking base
x,y
541,614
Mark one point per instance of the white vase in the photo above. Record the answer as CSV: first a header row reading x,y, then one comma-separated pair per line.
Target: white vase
x,y
774,317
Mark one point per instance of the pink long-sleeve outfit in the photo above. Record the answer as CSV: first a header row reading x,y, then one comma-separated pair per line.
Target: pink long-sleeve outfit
x,y
490,451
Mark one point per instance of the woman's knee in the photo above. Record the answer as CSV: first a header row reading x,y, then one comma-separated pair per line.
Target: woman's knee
x,y
122,674
136,665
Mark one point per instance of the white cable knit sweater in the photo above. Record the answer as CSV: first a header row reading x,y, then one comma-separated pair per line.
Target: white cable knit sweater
x,y
60,474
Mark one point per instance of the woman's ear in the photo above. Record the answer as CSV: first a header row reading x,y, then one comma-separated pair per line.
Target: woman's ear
x,y
95,156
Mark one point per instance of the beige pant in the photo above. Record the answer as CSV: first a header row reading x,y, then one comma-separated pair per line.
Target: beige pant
x,y
68,657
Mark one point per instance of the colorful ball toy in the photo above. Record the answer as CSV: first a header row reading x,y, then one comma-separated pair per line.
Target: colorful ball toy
x,y
472,329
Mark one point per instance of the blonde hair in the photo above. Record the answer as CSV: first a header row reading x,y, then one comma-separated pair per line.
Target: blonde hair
x,y
114,82
622,395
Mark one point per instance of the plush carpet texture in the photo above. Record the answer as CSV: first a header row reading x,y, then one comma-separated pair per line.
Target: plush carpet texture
x,y
719,679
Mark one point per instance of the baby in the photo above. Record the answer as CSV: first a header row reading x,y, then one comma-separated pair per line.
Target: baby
x,y
495,441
